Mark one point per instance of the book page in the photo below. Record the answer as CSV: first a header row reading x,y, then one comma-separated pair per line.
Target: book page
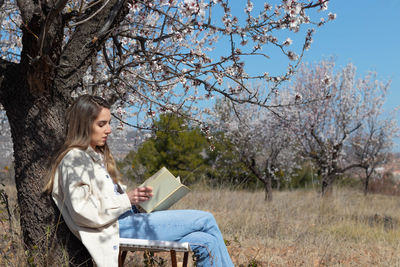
x,y
172,198
164,184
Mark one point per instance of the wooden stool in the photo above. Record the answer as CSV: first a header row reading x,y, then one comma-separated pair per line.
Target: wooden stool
x,y
128,244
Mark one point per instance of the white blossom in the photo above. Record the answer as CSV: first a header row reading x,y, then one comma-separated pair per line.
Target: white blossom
x,y
292,55
331,16
287,42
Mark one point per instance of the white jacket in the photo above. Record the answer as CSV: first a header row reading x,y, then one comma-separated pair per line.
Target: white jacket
x,y
84,193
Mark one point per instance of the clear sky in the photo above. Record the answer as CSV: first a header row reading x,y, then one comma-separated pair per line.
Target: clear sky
x,y
365,33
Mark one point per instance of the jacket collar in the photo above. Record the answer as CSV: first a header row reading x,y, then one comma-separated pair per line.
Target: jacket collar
x,y
97,157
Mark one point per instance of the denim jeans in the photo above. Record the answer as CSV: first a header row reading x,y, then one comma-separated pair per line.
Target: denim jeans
x,y
199,228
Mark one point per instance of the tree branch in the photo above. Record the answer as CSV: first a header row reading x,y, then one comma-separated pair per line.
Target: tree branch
x,y
84,43
27,9
90,17
58,7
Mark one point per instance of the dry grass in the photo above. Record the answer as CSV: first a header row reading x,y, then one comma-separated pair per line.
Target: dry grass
x,y
299,228
11,248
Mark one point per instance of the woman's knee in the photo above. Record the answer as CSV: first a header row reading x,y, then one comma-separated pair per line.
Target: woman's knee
x,y
205,215
209,217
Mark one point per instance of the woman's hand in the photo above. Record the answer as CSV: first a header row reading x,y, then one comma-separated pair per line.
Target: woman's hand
x,y
140,194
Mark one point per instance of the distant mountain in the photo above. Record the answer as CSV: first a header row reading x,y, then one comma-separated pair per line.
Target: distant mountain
x,y
123,143
120,144
396,155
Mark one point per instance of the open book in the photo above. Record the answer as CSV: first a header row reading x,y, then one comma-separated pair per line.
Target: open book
x,y
167,190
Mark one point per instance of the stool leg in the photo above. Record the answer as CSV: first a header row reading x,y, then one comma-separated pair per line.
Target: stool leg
x,y
173,258
185,259
121,258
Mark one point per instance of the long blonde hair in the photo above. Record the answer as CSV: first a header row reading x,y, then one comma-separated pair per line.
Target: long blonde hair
x,y
80,118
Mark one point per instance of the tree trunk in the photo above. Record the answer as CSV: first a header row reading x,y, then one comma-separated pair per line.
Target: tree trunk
x,y
327,185
37,130
268,188
366,183
35,94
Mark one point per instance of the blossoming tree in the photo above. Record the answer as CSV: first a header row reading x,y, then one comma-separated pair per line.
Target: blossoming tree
x,y
372,144
262,140
341,128
151,56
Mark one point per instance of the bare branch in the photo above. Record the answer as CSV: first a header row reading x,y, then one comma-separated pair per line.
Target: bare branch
x,y
83,45
91,16
58,7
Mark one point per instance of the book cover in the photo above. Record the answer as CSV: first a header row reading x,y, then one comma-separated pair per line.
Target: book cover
x,y
167,190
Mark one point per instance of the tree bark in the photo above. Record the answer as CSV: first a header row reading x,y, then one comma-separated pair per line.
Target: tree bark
x,y
268,188
35,94
265,179
366,183
37,130
327,184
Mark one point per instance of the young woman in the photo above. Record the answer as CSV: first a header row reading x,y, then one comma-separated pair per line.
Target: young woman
x,y
85,186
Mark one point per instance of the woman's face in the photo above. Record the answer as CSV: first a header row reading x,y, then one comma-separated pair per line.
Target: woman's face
x,y
101,128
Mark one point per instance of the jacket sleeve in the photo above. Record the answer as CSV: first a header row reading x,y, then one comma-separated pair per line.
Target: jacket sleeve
x,y
86,208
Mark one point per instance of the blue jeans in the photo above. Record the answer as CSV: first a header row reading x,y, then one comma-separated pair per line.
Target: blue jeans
x,y
199,228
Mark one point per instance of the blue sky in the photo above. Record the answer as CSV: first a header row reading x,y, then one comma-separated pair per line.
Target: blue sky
x,y
365,33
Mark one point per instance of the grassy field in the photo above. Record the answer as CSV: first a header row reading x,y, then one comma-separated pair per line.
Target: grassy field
x,y
298,228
